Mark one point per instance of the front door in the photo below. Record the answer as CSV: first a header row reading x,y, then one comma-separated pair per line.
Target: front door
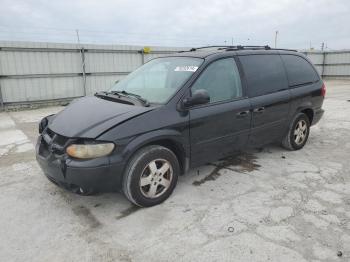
x,y
222,126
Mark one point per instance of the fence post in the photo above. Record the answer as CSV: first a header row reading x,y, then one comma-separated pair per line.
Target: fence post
x,y
143,56
82,54
323,63
1,100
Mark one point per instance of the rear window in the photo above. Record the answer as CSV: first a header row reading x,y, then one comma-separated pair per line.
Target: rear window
x,y
265,74
299,70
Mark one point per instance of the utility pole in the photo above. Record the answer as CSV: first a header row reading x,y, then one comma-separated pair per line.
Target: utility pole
x,y
322,46
77,31
232,41
82,56
276,35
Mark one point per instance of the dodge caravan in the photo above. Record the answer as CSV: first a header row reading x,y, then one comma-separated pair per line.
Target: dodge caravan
x,y
178,112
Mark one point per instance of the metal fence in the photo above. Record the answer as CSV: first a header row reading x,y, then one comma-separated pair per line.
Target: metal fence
x,y
41,72
331,64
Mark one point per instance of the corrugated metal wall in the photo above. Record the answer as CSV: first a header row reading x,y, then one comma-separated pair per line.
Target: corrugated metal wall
x,y
46,71
331,64
31,72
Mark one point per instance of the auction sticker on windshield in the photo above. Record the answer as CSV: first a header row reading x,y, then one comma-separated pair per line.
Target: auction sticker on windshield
x,y
186,68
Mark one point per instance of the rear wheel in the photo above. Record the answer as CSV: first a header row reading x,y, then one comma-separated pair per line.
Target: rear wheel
x,y
298,133
151,176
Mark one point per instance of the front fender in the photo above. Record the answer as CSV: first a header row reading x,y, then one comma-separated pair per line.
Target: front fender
x,y
174,136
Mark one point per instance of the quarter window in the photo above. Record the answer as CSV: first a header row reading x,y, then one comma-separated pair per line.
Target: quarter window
x,y
265,74
299,70
221,80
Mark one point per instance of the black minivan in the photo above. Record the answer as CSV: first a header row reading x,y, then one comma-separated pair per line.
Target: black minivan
x,y
178,112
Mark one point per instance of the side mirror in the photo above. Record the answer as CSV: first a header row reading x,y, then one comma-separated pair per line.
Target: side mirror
x,y
198,97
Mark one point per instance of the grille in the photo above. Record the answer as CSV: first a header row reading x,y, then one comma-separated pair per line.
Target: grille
x,y
52,143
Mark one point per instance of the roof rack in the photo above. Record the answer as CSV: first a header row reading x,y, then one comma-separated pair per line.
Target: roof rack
x,y
256,47
245,47
240,47
209,46
285,49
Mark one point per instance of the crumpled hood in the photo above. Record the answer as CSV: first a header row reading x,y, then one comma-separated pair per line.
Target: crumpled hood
x,y
88,117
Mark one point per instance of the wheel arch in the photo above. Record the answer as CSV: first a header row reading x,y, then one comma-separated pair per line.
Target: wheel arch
x,y
170,139
309,113
305,107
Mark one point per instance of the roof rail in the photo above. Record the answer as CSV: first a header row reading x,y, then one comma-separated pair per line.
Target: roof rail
x,y
209,46
255,47
247,47
240,47
283,49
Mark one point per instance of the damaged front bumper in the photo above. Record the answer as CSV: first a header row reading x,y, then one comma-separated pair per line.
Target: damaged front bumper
x,y
79,176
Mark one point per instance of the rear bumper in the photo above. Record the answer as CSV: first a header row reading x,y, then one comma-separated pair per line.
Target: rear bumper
x,y
317,116
79,176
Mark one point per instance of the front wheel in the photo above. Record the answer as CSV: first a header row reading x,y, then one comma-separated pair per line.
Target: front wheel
x,y
298,133
151,176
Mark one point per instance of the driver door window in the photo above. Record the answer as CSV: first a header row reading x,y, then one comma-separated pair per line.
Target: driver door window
x,y
221,80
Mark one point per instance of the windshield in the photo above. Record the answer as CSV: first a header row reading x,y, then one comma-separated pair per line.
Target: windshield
x,y
157,80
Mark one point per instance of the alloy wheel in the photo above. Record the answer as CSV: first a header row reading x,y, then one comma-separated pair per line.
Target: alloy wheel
x,y
156,178
300,132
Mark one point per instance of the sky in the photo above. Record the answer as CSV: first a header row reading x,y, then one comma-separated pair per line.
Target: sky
x,y
301,24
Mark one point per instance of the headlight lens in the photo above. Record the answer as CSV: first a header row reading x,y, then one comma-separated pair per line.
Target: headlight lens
x,y
85,151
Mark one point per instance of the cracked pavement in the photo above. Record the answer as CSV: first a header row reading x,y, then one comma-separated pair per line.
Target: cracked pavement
x,y
267,204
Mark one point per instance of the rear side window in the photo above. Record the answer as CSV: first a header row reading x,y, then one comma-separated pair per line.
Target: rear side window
x,y
265,74
299,70
221,80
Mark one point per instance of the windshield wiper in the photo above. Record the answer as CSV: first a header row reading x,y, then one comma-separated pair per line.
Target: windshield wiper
x,y
113,97
138,97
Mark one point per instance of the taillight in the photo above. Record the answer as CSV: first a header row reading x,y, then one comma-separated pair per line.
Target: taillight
x,y
323,90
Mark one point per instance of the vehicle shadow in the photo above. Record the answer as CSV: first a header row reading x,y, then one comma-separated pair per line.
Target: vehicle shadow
x,y
114,205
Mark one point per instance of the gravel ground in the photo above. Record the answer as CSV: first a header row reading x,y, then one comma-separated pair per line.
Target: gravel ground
x,y
263,205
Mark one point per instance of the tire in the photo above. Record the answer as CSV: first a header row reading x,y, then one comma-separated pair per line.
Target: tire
x,y
151,176
291,140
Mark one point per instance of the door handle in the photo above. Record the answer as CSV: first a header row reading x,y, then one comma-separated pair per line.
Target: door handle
x,y
259,110
242,114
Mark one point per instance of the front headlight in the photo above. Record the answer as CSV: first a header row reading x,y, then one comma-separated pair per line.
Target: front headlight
x,y
85,151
